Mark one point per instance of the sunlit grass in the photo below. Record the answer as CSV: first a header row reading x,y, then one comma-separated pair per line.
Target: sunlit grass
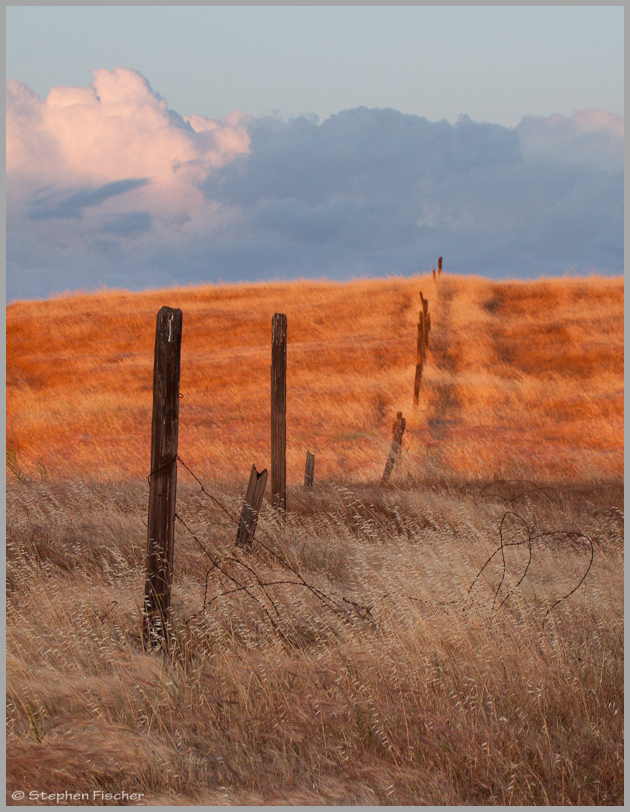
x,y
520,376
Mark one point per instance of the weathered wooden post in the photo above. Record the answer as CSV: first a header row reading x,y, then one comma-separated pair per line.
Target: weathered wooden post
x,y
279,411
162,478
251,508
396,443
426,320
309,471
396,423
440,266
419,359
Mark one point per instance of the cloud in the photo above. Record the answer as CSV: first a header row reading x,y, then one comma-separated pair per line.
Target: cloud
x,y
72,206
107,185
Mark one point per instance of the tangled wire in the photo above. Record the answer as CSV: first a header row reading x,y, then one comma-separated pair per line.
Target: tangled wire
x,y
244,577
531,538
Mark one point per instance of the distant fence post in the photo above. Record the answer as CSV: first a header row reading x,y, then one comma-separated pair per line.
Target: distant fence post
x,y
251,508
162,478
309,471
396,443
278,411
396,423
440,266
419,359
426,320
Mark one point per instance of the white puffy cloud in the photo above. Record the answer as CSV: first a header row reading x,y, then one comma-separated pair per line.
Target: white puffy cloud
x,y
106,185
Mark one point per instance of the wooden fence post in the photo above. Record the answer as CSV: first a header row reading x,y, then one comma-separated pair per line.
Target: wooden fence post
x,y
162,478
440,266
396,423
396,443
278,411
426,323
251,508
309,472
419,359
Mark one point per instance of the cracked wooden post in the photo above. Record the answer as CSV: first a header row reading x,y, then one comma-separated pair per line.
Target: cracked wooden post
x,y
396,444
309,471
162,478
278,411
251,508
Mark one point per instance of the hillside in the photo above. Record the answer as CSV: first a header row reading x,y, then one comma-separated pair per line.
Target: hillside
x,y
522,378
452,638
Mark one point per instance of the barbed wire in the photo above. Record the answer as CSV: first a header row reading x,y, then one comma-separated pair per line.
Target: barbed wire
x,y
363,611
332,604
567,534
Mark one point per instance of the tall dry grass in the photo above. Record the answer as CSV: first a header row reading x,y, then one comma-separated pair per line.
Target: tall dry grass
x,y
416,692
375,665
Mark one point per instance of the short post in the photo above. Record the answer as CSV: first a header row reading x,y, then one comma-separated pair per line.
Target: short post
x,y
251,508
396,444
278,411
434,274
440,266
396,423
309,472
162,478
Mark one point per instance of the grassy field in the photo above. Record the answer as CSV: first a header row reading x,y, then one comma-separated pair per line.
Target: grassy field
x,y
454,638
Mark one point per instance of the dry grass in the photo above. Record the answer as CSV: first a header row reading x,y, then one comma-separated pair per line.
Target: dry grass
x,y
404,685
431,697
522,379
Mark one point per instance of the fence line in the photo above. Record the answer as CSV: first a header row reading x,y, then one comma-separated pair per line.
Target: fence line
x,y
164,457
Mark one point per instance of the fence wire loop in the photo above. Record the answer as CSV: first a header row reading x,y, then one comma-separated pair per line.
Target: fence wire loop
x,y
335,606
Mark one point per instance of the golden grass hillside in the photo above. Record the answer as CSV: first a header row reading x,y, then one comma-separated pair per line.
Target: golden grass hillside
x,y
454,638
520,376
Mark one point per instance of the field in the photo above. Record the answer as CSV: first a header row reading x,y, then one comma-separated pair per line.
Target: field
x,y
455,637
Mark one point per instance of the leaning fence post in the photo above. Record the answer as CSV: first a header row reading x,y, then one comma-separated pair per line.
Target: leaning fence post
x,y
309,471
279,411
162,478
251,507
396,443
396,423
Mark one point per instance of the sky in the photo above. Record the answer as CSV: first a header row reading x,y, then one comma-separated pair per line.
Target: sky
x,y
158,145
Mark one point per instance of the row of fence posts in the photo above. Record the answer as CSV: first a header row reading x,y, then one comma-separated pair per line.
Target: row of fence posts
x,y
163,473
424,327
164,451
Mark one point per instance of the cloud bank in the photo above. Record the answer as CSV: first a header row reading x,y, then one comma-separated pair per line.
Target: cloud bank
x,y
108,186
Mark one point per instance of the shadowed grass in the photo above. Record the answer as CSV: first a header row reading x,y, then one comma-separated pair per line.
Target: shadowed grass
x,y
416,692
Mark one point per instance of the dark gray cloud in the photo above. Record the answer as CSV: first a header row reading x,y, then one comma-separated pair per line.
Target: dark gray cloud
x,y
131,224
389,192
364,193
71,206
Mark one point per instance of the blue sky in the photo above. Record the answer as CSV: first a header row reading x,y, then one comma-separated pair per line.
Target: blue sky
x,y
493,63
155,145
